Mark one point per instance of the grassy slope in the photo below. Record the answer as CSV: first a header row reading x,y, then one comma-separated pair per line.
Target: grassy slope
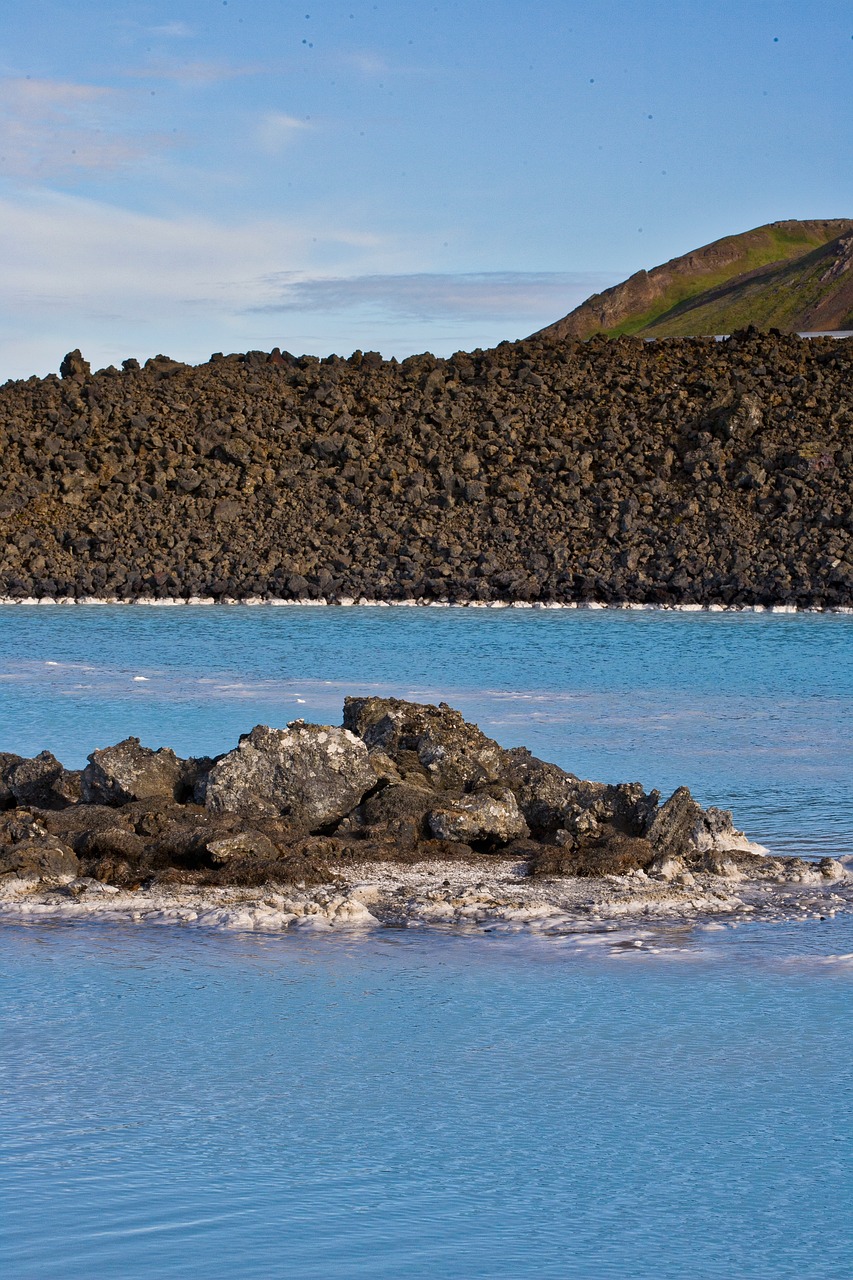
x,y
778,296
761,248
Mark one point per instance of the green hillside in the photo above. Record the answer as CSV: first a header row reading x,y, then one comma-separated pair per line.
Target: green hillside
x,y
787,275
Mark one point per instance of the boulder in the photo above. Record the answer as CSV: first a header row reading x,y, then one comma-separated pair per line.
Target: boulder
x,y
454,754
42,782
397,812
128,771
545,793
483,817
42,858
312,774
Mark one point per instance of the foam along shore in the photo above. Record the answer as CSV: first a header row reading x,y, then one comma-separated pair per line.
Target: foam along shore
x,y
364,603
407,814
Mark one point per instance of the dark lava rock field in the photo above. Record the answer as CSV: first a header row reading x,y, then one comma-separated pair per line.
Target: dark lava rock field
x,y
684,471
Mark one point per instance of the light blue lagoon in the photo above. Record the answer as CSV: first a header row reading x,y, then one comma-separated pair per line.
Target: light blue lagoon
x,y
658,1102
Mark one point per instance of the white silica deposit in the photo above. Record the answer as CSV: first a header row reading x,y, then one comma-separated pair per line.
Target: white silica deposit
x,y
493,894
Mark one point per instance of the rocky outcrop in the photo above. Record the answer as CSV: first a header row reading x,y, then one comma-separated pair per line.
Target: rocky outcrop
x,y
435,742
682,826
400,782
684,471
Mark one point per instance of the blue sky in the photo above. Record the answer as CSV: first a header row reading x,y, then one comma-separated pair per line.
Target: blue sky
x,y
197,175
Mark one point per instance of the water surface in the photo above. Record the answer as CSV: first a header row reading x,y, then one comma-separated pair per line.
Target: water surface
x,y
185,1104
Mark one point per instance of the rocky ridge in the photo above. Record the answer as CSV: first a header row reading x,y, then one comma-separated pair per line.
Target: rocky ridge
x,y
685,471
400,784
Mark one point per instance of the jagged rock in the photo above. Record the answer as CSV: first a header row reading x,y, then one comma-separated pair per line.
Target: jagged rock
x,y
682,828
545,793
313,774
472,819
129,771
74,367
42,782
550,798
672,832
454,754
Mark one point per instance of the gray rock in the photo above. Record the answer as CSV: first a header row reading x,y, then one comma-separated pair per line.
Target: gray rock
x,y
455,754
481,817
42,782
550,798
312,774
243,844
545,793
671,833
8,760
682,828
42,858
129,771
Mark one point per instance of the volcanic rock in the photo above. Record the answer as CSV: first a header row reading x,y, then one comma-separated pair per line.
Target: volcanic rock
x,y
41,781
472,819
129,771
313,774
454,754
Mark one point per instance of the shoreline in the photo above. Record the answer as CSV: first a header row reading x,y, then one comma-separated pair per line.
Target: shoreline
x,y
346,602
498,898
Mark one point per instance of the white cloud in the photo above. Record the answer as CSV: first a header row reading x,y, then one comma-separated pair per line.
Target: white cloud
x,y
49,127
276,130
79,273
173,30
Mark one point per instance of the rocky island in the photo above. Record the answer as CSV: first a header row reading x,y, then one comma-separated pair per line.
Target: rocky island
x,y
405,814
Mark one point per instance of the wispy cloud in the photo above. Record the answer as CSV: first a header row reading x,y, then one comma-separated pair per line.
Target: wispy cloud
x,y
79,272
194,74
173,30
365,61
116,282
51,126
276,130
429,296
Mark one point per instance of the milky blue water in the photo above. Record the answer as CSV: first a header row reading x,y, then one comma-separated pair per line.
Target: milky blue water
x,y
413,1104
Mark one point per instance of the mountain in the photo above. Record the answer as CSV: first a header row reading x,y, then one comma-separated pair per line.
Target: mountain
x,y
793,276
